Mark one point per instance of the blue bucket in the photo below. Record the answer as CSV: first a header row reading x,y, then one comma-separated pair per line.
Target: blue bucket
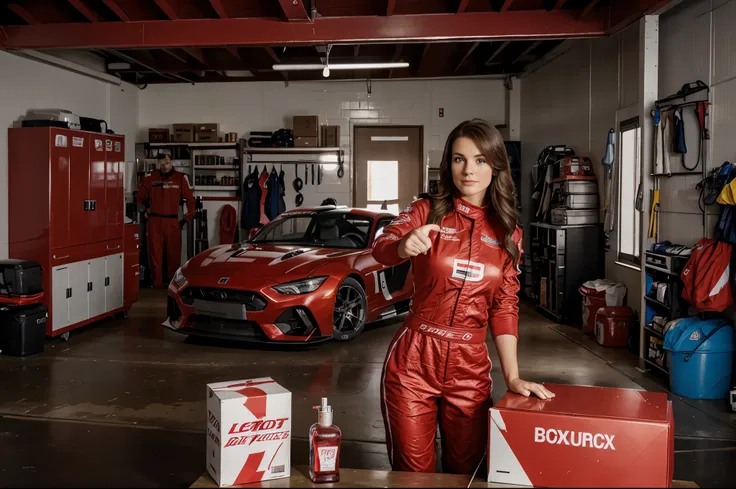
x,y
701,358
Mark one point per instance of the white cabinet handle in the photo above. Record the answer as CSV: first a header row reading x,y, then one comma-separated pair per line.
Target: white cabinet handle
x,y
60,257
113,247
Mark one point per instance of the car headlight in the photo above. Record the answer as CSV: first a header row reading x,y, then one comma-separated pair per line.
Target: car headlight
x,y
179,279
304,286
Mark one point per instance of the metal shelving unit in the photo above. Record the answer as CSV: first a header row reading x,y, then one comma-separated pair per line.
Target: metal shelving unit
x,y
247,154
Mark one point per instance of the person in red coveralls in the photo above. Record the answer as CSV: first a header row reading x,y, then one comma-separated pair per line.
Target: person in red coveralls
x,y
161,192
464,245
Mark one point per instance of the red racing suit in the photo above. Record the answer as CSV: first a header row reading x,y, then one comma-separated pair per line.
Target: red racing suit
x,y
437,367
162,194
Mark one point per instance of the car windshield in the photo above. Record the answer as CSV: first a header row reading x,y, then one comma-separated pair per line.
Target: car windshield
x,y
326,229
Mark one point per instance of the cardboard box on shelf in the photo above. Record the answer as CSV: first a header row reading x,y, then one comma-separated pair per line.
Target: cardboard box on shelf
x,y
330,136
183,133
248,431
306,142
206,133
158,135
306,126
584,437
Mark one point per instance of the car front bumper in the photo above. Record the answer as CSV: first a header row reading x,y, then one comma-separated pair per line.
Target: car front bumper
x,y
259,315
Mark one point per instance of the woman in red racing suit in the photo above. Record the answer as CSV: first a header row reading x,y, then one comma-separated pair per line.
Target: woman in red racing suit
x,y
464,247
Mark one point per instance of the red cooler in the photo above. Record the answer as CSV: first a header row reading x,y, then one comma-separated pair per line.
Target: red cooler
x,y
612,326
592,301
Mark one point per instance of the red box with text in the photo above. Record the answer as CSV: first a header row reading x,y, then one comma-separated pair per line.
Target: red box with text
x,y
583,437
248,431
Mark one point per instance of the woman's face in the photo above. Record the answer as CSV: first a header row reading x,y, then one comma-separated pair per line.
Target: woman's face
x,y
471,171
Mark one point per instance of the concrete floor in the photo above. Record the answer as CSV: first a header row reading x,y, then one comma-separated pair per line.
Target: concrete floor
x,y
122,403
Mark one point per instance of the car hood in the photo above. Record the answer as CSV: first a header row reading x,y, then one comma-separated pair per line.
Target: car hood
x,y
263,262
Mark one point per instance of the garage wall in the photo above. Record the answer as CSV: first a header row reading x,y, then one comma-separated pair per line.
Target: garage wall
x,y
253,106
573,99
592,79
696,43
27,84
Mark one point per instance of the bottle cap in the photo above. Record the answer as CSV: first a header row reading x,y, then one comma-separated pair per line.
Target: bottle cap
x,y
324,413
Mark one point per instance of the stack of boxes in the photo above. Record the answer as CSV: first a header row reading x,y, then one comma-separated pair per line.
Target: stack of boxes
x,y
308,133
187,133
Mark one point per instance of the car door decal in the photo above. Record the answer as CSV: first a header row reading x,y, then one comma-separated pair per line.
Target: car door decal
x,y
391,279
379,278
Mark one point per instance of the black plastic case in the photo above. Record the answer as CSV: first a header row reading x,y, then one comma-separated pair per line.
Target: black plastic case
x,y
23,329
20,277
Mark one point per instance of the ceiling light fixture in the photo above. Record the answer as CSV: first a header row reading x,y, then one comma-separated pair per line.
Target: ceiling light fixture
x,y
340,66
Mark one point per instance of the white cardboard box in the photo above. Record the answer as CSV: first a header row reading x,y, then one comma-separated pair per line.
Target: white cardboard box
x,y
248,431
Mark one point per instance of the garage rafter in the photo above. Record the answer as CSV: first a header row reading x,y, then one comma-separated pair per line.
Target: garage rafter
x,y
211,37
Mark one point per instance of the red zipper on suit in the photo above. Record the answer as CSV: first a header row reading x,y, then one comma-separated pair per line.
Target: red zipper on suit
x,y
462,287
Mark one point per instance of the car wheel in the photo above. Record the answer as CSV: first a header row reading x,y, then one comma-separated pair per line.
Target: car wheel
x,y
348,318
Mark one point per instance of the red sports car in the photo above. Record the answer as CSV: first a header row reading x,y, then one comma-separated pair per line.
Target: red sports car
x,y
307,276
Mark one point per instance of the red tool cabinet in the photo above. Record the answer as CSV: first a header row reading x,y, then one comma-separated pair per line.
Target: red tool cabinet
x,y
65,211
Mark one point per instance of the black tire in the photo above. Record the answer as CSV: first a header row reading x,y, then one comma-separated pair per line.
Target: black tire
x,y
348,317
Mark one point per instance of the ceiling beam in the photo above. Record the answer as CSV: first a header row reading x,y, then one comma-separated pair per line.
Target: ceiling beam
x,y
294,10
396,57
467,55
166,8
219,9
624,12
506,5
234,51
112,5
423,59
497,52
147,65
589,8
272,53
171,53
390,7
528,50
462,6
197,54
559,4
83,9
513,24
24,14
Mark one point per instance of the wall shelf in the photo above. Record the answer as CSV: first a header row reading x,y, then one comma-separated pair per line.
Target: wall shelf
x,y
656,366
217,167
654,332
217,188
247,149
657,303
676,173
210,145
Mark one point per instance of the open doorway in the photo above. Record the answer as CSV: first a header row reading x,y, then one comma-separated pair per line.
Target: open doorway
x,y
388,166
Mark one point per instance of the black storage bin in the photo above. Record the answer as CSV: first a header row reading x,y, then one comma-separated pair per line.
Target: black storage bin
x,y
23,329
93,125
20,277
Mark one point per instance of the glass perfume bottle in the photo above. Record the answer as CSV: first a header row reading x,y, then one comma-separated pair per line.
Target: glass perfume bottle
x,y
324,446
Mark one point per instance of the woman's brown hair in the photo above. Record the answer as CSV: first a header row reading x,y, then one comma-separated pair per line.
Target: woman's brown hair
x,y
501,193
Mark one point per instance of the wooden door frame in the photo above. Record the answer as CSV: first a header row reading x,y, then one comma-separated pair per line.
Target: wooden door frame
x,y
354,158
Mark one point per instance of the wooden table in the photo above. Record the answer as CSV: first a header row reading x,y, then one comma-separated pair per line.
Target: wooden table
x,y
381,478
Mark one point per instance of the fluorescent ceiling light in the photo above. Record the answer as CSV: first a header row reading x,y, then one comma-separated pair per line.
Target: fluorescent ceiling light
x,y
340,66
118,66
238,73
